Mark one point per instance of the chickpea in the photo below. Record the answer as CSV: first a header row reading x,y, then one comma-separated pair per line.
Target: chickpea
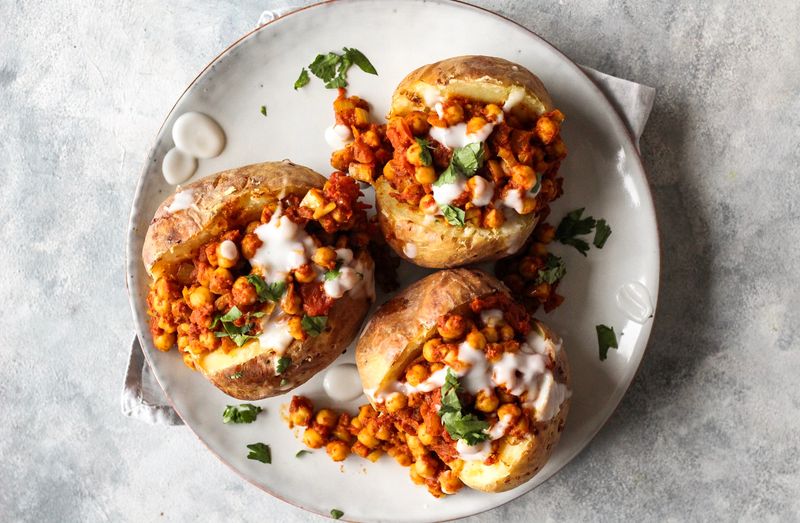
x,y
546,129
432,350
418,123
473,216
384,432
367,439
388,171
486,401
325,257
312,438
164,341
371,138
428,205
161,306
359,449
436,367
491,334
250,244
337,450
374,455
221,281
538,249
476,339
195,347
365,412
509,410
183,341
295,328
449,482
529,205
341,433
211,253
401,455
415,446
506,333
529,267
163,288
475,124
493,219
356,423
292,303
541,291
523,176
451,326
415,477
305,273
425,174
227,254
414,154
301,416
199,298
326,418
558,149
416,374
361,117
453,114
424,435
492,112
209,341
243,292
426,467
395,402
545,233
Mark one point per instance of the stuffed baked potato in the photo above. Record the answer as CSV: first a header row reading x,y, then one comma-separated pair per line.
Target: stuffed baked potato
x,y
261,275
476,151
480,390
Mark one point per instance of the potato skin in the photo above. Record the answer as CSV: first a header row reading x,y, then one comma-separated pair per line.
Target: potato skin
x,y
394,337
233,198
258,378
483,78
436,243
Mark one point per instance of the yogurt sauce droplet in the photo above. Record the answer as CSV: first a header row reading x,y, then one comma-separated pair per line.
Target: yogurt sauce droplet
x,y
342,383
177,166
634,300
198,135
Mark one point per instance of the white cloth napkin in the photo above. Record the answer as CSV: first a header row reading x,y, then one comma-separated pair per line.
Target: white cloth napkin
x,y
143,398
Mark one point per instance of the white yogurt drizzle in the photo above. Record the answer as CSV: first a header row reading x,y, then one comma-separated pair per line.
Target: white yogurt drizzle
x,y
457,136
275,332
349,276
228,250
515,96
342,383
182,201
338,136
483,191
446,193
483,450
177,167
285,247
198,135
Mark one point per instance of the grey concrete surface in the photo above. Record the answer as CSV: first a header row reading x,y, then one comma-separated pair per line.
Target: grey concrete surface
x,y
709,429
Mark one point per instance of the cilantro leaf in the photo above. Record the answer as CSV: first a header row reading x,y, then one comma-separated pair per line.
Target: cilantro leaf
x,y
302,80
235,375
453,215
244,413
554,269
301,453
260,452
232,315
336,513
324,66
357,57
572,225
468,159
335,272
449,175
314,325
283,363
263,110
239,335
601,234
267,291
425,151
459,425
606,339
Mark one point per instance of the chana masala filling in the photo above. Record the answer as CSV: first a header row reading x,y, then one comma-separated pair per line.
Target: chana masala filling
x,y
274,279
485,377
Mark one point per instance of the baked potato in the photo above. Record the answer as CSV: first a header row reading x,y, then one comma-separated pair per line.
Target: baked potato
x,y
476,151
481,390
261,275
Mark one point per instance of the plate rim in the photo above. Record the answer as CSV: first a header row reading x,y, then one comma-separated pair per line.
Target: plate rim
x,y
132,258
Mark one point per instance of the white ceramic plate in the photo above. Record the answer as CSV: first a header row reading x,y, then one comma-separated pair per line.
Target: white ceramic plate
x,y
602,173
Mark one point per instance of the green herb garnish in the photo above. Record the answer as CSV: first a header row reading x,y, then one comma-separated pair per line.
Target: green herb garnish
x,y
425,151
336,513
554,269
606,339
301,453
263,110
449,175
467,427
239,335
267,291
453,215
332,68
260,452
601,233
244,413
335,272
302,80
574,224
314,325
235,375
468,159
283,364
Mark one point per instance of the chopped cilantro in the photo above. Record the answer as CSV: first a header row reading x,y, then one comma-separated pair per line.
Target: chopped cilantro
x,y
314,325
244,413
283,363
332,68
302,80
606,339
601,233
467,427
554,269
260,452
453,215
